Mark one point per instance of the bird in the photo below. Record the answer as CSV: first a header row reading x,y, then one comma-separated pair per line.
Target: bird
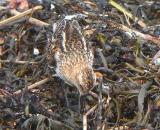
x,y
70,56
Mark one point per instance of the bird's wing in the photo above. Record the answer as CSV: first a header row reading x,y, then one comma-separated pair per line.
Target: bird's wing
x,y
68,36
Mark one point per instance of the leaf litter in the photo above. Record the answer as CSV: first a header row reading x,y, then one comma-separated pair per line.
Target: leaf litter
x,y
124,36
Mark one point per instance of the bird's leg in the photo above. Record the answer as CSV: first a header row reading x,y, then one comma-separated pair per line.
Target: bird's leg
x,y
66,97
82,103
65,90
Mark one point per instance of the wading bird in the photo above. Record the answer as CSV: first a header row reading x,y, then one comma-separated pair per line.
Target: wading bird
x,y
72,57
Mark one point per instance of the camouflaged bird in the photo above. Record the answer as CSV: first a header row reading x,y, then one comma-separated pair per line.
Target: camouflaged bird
x,y
72,58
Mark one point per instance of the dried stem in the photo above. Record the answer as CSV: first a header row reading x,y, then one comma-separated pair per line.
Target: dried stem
x,y
18,62
87,113
148,37
126,12
19,16
84,122
133,68
31,20
33,86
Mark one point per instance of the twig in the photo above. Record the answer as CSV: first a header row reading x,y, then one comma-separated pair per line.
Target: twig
x,y
141,97
148,37
126,12
87,113
85,117
84,122
147,115
18,62
33,86
19,16
31,20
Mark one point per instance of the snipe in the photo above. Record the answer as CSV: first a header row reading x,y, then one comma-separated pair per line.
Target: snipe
x,y
72,57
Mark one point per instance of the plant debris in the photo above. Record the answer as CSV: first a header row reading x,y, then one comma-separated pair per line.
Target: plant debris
x,y
125,39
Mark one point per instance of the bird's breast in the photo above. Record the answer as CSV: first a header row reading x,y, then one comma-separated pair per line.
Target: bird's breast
x,y
69,65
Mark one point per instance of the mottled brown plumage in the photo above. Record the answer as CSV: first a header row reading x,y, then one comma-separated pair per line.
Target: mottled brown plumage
x,y
72,58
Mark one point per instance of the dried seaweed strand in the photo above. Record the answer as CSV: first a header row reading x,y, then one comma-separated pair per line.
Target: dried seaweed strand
x,y
141,96
133,68
102,58
126,12
118,110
